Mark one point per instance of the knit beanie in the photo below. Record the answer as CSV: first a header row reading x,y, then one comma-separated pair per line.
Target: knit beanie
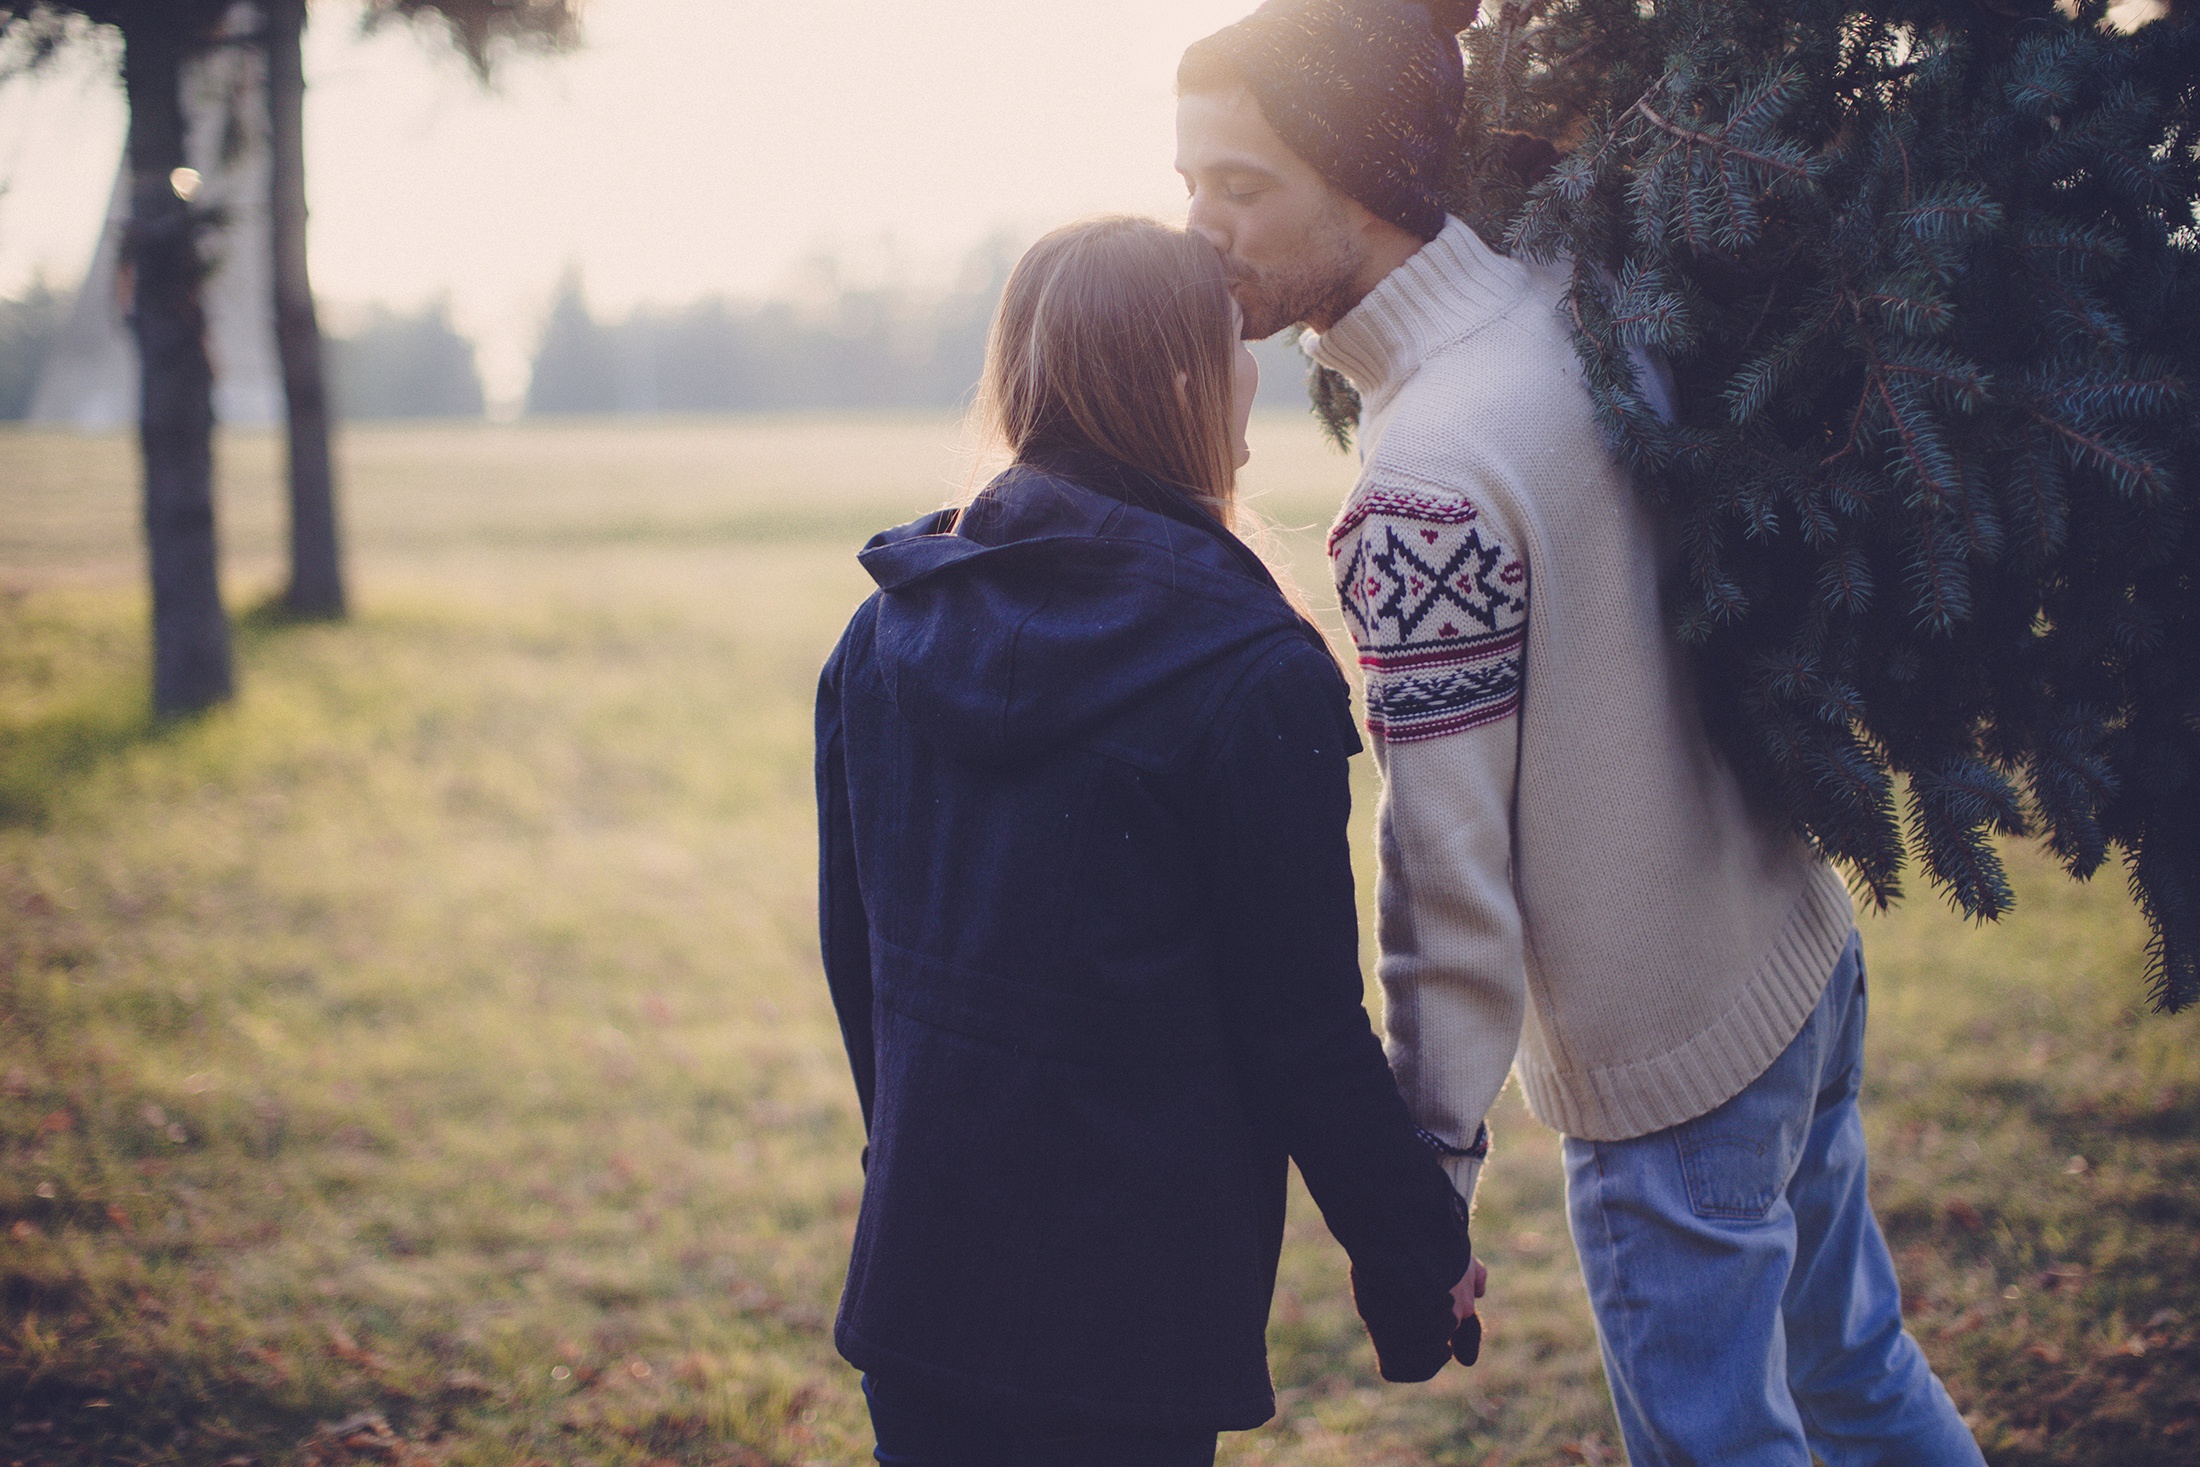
x,y
1369,92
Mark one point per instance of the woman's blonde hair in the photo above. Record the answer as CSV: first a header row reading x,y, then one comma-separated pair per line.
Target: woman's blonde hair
x,y
1116,335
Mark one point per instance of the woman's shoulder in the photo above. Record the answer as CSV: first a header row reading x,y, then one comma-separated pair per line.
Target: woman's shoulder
x,y
1288,687
853,649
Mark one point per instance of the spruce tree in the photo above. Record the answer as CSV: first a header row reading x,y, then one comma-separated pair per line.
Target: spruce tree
x,y
1926,274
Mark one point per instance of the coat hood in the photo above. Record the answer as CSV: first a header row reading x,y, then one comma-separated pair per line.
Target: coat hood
x,y
1070,589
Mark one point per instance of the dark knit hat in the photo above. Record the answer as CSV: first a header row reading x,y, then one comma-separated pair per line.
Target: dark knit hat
x,y
1368,91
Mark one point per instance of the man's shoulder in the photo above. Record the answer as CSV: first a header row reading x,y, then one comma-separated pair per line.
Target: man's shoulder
x,y
1503,409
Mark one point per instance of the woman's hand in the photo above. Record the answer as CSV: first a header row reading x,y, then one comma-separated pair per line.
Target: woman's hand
x,y
1466,1339
1472,1285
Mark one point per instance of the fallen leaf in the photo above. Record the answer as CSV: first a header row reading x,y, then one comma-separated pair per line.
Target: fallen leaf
x,y
467,1383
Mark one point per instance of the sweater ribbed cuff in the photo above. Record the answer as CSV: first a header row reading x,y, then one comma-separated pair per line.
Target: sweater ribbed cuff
x,y
1465,1172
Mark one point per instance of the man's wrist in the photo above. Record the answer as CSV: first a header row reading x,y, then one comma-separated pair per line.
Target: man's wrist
x,y
1462,1164
1465,1172
1478,1149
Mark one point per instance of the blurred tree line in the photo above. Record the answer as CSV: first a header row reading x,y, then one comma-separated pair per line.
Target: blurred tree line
x,y
834,346
28,325
831,344
821,346
396,364
828,344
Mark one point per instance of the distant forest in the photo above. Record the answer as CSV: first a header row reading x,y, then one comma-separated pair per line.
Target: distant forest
x,y
837,346
395,365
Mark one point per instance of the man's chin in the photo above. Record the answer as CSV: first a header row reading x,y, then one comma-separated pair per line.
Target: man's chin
x,y
1262,319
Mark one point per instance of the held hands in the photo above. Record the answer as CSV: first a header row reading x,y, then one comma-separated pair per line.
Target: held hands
x,y
1415,1337
1466,1338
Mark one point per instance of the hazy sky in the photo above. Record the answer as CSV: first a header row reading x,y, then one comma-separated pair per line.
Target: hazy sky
x,y
690,146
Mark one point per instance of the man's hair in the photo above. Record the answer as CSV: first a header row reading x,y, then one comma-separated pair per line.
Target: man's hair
x,y
1208,69
1371,93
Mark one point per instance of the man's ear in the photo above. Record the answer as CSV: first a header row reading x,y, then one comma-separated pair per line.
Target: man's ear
x,y
1383,239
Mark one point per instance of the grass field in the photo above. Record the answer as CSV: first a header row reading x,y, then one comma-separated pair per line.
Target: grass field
x,y
425,1059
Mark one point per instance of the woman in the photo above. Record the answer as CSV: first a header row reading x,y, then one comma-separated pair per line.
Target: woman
x,y
1088,915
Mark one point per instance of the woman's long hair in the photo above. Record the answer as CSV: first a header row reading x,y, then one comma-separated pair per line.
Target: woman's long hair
x,y
1116,335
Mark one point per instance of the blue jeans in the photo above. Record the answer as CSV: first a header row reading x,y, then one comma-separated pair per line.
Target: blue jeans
x,y
916,1429
1745,1303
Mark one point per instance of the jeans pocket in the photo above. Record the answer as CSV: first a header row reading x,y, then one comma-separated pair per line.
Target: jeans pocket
x,y
1732,1174
1737,1160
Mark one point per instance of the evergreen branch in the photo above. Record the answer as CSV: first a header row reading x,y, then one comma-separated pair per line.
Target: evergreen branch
x,y
1336,405
1954,808
2071,781
1854,440
1923,312
1940,584
2036,486
1845,582
2117,397
1921,451
1647,311
1968,213
2042,85
2134,475
2062,243
1757,381
1962,385
2081,311
1771,163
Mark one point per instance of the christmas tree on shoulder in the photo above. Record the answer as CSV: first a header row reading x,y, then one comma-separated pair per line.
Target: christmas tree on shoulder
x,y
1927,276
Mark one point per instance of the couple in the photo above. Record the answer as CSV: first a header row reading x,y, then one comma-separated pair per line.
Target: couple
x,y
1087,905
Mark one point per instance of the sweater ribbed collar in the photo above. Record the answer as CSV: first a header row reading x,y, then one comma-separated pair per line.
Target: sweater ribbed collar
x,y
1451,287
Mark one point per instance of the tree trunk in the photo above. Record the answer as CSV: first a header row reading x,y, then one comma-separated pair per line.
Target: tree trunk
x,y
191,664
316,564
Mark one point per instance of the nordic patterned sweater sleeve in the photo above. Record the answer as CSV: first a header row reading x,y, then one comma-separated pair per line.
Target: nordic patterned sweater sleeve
x,y
1435,595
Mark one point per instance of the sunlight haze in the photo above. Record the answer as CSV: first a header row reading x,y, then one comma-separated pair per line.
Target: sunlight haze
x,y
689,147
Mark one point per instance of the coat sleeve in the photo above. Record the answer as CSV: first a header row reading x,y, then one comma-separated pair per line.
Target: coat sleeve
x,y
1435,594
1290,955
844,928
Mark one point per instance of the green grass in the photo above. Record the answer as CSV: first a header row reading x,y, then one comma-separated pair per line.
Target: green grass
x,y
431,1044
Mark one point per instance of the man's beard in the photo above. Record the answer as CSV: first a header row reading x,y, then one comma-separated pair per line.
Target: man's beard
x,y
1317,286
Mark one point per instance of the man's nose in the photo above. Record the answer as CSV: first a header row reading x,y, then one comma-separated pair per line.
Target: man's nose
x,y
1199,222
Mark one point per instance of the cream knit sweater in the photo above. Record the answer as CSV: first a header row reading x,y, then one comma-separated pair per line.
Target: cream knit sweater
x,y
1569,875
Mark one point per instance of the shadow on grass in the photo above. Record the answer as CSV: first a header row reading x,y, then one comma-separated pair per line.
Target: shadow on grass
x,y
271,616
104,714
42,756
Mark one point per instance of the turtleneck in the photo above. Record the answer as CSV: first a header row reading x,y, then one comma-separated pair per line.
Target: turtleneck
x,y
1450,288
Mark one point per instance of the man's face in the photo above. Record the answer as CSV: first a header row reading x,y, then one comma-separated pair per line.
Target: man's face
x,y
1290,239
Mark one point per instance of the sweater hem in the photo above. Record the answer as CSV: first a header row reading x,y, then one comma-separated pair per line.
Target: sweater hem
x,y
1622,1101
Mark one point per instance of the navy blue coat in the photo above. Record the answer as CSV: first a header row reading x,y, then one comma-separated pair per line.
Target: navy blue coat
x,y
1089,923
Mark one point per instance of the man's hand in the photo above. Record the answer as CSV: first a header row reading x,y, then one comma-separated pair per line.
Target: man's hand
x,y
1466,1339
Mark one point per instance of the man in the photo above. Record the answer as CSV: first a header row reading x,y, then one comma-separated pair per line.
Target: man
x,y
1571,880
